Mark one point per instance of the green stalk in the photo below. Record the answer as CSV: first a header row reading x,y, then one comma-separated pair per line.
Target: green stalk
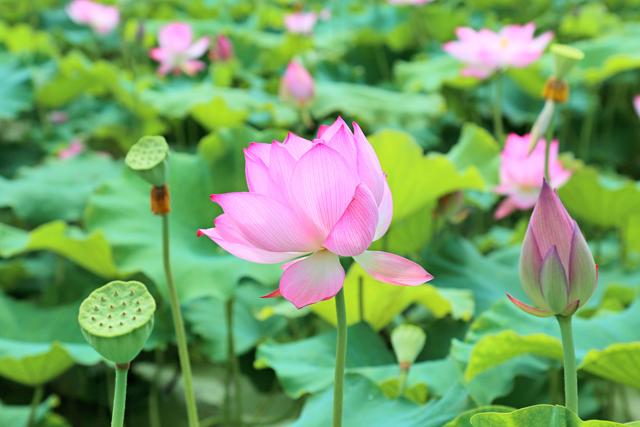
x,y
341,356
498,128
234,370
154,392
404,376
120,395
35,402
569,356
547,148
181,338
361,298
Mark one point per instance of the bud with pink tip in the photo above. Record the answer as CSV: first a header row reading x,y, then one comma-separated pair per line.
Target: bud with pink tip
x,y
222,49
297,84
557,270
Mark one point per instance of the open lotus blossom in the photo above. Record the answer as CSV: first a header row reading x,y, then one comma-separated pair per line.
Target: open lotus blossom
x,y
177,51
557,270
300,22
521,173
636,104
485,52
101,18
310,202
297,84
222,50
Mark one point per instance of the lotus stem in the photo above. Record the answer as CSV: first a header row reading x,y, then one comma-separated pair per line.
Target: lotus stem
x,y
498,127
361,298
234,371
181,338
569,359
35,402
341,355
120,395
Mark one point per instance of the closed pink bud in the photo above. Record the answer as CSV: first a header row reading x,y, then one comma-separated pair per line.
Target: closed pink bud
x,y
101,18
636,104
557,270
222,50
297,84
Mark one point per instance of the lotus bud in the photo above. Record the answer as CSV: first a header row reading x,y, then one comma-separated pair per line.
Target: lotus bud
x,y
148,158
557,270
565,57
541,124
297,84
117,320
222,50
407,342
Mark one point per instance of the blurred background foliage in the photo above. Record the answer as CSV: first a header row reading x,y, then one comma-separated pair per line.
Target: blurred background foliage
x,y
68,225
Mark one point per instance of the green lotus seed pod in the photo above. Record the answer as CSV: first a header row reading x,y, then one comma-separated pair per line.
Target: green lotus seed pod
x,y
565,58
148,158
117,319
407,342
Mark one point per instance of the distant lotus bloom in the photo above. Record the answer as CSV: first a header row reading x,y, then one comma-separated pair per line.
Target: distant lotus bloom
x,y
101,18
300,22
636,104
75,147
410,2
297,84
485,52
521,173
222,50
557,270
177,51
310,202
58,117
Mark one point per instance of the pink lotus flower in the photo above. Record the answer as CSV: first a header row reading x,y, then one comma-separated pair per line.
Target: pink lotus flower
x,y
636,104
101,18
75,147
521,173
223,49
485,51
297,84
177,52
557,270
300,22
310,202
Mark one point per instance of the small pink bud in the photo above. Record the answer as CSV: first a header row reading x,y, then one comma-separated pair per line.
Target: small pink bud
x,y
222,50
636,104
557,270
297,84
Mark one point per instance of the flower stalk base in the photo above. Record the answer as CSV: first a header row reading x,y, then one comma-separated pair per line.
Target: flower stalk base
x,y
341,355
569,361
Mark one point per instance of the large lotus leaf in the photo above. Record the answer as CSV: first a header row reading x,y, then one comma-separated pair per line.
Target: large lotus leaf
x,y
18,416
456,263
307,366
432,74
37,344
57,189
487,334
372,105
464,419
538,415
120,208
90,251
476,148
15,88
207,317
604,200
619,363
365,405
77,76
382,302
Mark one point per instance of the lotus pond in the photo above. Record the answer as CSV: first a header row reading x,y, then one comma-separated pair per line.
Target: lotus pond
x,y
387,213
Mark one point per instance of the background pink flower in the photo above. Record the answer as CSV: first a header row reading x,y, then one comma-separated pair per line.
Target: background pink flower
x,y
297,84
485,51
177,51
521,174
310,202
411,2
222,50
101,18
636,104
75,147
300,22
